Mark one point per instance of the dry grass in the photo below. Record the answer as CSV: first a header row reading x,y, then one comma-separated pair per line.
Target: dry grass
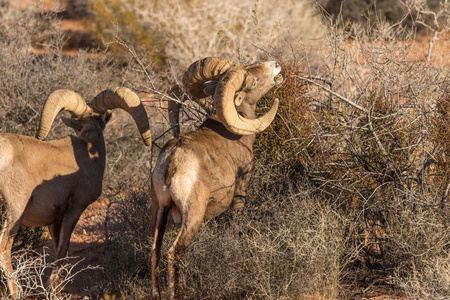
x,y
177,33
33,268
284,245
350,194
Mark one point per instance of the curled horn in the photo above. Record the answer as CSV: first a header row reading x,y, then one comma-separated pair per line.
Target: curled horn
x,y
201,71
126,99
226,111
194,79
57,101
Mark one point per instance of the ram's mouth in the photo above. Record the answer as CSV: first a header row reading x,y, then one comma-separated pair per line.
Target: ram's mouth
x,y
278,79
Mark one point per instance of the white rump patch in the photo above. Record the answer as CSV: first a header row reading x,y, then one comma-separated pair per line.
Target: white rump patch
x,y
183,182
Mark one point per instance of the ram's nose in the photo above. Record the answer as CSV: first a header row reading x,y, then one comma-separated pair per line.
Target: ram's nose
x,y
276,68
273,64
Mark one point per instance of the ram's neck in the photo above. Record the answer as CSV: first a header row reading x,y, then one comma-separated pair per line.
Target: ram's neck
x,y
96,149
219,128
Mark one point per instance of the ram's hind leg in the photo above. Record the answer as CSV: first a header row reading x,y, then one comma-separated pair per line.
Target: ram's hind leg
x,y
190,224
159,226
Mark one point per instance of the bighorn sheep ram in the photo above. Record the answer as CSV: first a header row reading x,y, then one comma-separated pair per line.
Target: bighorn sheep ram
x,y
201,173
50,183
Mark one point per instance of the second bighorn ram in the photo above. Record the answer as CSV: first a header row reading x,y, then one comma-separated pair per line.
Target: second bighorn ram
x,y
50,183
201,173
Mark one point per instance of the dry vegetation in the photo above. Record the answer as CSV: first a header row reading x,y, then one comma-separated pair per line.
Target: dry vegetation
x,y
179,32
350,193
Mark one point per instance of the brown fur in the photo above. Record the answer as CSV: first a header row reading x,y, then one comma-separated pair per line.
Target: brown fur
x,y
200,174
50,183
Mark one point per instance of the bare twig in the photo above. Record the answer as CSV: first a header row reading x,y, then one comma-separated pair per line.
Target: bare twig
x,y
118,40
335,94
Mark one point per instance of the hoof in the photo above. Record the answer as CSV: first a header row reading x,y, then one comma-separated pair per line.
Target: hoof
x,y
55,284
156,297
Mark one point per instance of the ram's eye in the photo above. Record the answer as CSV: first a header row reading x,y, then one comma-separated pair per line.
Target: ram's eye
x,y
255,83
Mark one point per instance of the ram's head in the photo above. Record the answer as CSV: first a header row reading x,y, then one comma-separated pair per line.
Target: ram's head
x,y
85,117
235,90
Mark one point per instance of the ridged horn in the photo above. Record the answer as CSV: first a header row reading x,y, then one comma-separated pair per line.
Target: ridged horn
x,y
126,99
226,110
57,101
201,71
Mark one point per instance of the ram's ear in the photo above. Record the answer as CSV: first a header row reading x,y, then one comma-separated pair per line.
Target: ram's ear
x,y
106,116
238,98
209,87
72,123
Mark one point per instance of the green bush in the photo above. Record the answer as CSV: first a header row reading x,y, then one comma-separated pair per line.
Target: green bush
x,y
290,132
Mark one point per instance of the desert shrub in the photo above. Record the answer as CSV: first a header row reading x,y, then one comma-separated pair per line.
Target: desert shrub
x,y
75,9
375,110
28,78
424,234
280,143
357,11
122,13
284,245
441,131
180,32
128,242
367,11
350,185
31,268
431,281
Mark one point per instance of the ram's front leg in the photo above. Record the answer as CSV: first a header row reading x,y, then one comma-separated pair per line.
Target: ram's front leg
x,y
6,241
238,203
240,192
61,232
